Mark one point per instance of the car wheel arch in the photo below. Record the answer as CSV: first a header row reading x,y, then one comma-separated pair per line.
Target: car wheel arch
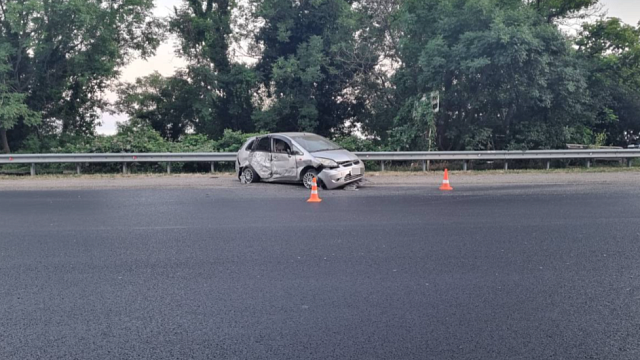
x,y
306,168
317,170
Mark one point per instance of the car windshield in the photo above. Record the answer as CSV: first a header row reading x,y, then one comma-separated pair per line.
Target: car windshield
x,y
315,143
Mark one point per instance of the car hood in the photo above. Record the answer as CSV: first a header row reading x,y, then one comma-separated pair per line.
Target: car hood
x,y
336,155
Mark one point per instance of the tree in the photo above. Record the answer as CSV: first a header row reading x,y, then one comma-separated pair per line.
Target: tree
x,y
611,50
12,104
559,9
224,88
166,104
59,57
507,78
314,65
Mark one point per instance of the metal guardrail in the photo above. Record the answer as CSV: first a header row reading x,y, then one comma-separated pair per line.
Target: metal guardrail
x,y
466,156
124,158
501,155
115,158
425,157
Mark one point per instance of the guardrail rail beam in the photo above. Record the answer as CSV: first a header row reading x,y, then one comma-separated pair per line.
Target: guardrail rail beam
x,y
426,157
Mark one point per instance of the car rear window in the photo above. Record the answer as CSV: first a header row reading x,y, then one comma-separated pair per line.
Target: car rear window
x,y
264,144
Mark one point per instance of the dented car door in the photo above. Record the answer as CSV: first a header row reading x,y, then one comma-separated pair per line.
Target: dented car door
x,y
283,163
260,157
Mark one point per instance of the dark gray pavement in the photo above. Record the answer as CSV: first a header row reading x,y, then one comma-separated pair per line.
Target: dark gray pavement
x,y
485,272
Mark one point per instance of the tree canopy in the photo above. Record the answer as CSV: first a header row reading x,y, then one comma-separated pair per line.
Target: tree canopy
x,y
57,58
506,74
223,88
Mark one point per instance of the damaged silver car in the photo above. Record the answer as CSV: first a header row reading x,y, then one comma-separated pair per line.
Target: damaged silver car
x,y
297,157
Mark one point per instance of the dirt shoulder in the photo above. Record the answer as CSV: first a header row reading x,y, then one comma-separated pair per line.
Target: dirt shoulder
x,y
225,180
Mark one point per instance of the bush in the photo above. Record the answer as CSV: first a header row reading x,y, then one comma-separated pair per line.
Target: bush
x,y
355,143
231,141
134,136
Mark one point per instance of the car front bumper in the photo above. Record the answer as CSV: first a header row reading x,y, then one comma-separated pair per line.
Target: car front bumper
x,y
338,177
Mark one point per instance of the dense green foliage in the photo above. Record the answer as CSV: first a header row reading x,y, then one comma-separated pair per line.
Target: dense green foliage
x,y
137,136
611,51
166,104
310,65
362,72
57,58
221,89
508,78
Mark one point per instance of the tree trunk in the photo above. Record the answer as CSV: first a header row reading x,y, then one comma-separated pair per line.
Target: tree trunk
x,y
4,140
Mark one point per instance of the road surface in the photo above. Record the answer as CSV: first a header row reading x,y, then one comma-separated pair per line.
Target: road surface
x,y
548,271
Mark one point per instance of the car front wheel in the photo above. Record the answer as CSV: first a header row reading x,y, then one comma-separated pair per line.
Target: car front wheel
x,y
307,178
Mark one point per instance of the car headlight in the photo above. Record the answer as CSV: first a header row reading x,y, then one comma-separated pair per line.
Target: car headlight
x,y
328,163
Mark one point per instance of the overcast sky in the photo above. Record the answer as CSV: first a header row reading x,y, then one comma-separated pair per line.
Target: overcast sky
x,y
166,62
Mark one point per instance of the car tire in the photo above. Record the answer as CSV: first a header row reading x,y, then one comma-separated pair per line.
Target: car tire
x,y
308,176
248,176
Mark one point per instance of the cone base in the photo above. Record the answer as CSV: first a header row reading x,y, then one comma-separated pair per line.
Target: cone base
x,y
314,200
446,188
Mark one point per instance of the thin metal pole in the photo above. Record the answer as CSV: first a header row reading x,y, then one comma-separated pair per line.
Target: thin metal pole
x,y
213,167
506,165
78,169
168,168
464,165
548,165
428,165
382,165
629,162
424,165
124,168
33,169
588,164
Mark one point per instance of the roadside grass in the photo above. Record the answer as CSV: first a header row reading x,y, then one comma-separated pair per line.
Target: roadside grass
x,y
593,169
515,167
113,176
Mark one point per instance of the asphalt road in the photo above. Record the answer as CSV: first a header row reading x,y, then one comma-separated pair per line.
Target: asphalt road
x,y
485,272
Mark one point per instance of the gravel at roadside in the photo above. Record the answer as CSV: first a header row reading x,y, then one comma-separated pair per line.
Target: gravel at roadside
x,y
372,180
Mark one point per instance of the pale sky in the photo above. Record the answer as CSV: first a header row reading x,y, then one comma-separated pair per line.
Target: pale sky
x,y
166,62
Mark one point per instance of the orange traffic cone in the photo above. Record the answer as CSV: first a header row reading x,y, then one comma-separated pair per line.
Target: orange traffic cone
x,y
445,182
314,193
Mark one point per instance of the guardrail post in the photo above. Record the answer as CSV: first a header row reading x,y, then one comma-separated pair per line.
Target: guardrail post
x,y
506,165
169,168
464,165
33,169
424,165
588,164
78,169
382,165
428,165
629,162
548,164
213,166
124,168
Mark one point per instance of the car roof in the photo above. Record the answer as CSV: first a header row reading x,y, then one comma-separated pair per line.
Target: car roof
x,y
293,133
287,134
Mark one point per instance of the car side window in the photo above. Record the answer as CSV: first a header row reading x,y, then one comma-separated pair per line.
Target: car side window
x,y
264,144
250,145
280,146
